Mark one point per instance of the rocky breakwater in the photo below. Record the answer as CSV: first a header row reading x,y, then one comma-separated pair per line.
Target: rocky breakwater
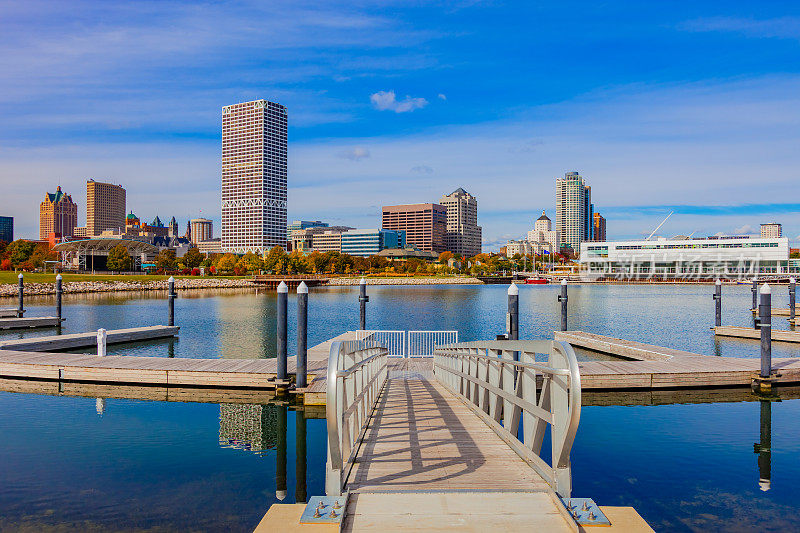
x,y
407,281
10,290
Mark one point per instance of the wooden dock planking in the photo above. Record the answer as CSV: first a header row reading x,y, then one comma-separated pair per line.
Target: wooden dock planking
x,y
752,333
626,349
780,311
86,340
30,322
11,312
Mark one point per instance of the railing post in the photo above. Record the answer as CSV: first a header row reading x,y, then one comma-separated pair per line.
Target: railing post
x,y
301,372
21,288
512,320
58,297
283,297
792,287
171,298
563,299
718,303
765,313
101,342
362,303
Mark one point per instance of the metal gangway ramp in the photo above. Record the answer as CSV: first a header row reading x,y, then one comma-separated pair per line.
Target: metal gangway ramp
x,y
452,442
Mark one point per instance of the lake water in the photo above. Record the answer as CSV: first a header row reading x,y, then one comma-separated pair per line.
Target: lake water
x,y
74,463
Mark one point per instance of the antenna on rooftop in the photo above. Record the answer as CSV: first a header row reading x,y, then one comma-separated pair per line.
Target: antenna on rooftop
x,y
659,226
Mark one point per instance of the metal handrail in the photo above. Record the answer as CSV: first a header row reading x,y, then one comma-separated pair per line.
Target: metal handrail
x,y
356,375
509,393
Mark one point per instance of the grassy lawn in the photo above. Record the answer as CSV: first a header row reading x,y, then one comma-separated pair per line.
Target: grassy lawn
x,y
33,277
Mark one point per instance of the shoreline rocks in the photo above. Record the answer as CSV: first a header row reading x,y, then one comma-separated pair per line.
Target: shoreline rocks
x,y
8,290
405,281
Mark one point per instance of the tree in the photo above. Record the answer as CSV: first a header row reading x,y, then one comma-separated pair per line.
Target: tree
x,y
271,261
444,257
251,262
20,251
193,258
119,259
226,264
42,253
166,259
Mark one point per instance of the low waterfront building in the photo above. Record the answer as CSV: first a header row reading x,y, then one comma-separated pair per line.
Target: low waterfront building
x,y
318,239
404,254
367,242
521,247
687,258
6,229
211,246
304,224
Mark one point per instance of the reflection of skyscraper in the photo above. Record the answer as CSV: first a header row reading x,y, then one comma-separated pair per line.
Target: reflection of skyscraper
x,y
246,327
248,427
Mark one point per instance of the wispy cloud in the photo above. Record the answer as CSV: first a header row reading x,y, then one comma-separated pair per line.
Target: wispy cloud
x,y
422,169
441,96
387,101
782,27
355,154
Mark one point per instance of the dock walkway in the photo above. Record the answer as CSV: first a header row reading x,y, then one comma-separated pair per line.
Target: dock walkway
x,y
428,463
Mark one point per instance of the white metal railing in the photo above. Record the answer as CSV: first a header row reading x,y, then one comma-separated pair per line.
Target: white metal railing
x,y
424,343
503,392
356,375
415,343
393,340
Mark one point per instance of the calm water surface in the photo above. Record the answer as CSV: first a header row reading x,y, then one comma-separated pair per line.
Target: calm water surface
x,y
71,463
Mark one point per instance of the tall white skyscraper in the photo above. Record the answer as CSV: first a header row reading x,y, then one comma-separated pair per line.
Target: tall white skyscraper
x,y
253,177
574,210
463,232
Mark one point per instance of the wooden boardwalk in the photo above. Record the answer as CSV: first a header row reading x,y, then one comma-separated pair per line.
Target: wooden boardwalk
x,y
752,333
428,463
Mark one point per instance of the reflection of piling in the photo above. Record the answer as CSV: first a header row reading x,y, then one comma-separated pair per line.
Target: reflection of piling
x,y
718,303
764,448
21,289
58,298
100,406
563,299
283,296
280,457
792,291
754,292
301,371
171,298
300,456
512,320
362,304
171,347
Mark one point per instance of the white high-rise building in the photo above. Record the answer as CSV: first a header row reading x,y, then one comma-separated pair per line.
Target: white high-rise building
x,y
253,177
773,230
574,217
463,234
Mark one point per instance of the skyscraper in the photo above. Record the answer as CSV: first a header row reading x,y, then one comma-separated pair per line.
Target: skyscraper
x,y
6,229
57,214
201,229
253,177
773,230
105,207
574,208
599,228
463,234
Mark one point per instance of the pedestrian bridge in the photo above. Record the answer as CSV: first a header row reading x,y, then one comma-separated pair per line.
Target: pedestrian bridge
x,y
477,437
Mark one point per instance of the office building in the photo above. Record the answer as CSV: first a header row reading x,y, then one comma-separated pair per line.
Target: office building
x,y
80,232
773,230
105,207
688,258
6,229
58,215
253,177
599,233
211,246
200,229
574,208
522,247
318,239
463,234
367,242
543,236
304,224
425,225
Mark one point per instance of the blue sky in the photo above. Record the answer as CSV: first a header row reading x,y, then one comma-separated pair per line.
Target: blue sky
x,y
661,106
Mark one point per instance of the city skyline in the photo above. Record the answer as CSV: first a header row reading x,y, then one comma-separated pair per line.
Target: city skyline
x,y
709,98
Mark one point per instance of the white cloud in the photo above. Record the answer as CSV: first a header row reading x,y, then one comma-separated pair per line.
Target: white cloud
x,y
747,229
387,101
781,27
355,154
442,97
422,169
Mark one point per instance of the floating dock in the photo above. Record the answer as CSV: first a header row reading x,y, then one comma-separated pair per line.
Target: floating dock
x,y
87,340
32,322
11,312
780,311
752,333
